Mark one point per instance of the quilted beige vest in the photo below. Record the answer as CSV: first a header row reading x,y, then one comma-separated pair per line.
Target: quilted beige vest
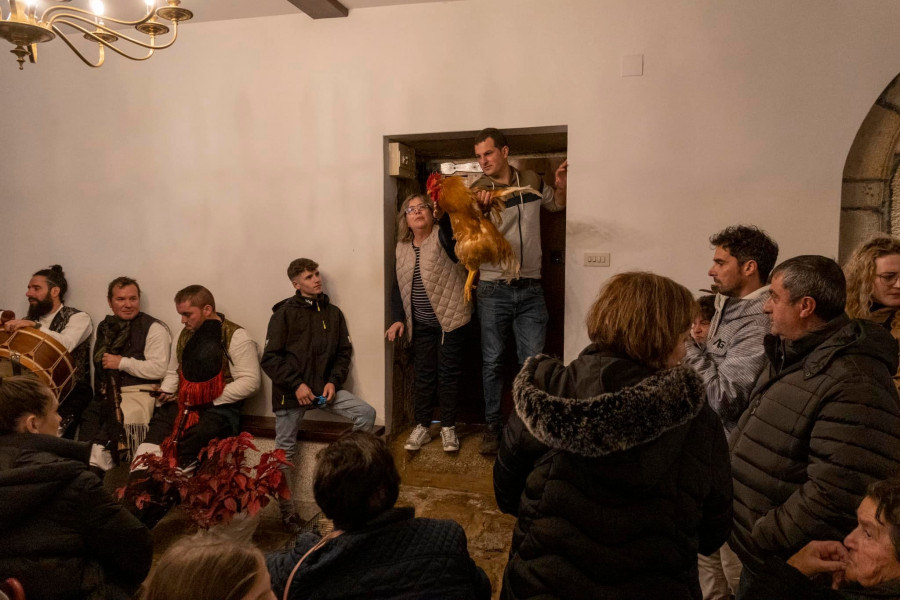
x,y
443,281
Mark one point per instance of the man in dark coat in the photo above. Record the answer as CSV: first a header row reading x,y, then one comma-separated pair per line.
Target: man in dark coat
x,y
823,421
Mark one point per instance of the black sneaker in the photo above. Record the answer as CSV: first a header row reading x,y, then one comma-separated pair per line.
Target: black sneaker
x,y
490,441
292,523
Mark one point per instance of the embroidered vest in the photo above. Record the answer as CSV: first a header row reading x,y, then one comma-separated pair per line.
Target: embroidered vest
x,y
228,329
134,347
81,355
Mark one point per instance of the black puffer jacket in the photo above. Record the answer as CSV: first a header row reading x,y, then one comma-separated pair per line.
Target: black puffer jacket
x,y
618,476
395,556
307,342
61,534
779,581
823,423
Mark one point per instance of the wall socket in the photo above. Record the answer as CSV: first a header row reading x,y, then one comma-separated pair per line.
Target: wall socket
x,y
596,259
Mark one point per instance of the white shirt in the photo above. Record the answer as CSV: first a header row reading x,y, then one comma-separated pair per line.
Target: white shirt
x,y
77,330
156,355
244,370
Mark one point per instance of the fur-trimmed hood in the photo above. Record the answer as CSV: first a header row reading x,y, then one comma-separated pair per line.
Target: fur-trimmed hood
x,y
610,421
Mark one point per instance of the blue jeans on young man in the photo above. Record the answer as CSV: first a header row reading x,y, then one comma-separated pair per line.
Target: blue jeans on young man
x,y
287,424
503,309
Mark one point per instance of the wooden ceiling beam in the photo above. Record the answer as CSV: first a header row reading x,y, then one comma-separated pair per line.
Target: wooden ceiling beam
x,y
321,9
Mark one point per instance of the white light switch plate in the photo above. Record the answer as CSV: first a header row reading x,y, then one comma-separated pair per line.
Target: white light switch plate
x,y
596,259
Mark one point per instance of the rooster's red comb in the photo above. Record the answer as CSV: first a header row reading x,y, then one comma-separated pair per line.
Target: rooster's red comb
x,y
433,185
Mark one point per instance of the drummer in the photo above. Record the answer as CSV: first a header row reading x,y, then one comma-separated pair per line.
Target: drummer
x,y
131,356
69,326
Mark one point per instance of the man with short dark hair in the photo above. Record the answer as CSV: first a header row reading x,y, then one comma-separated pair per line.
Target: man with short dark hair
x,y
514,307
213,367
307,356
70,327
823,421
131,353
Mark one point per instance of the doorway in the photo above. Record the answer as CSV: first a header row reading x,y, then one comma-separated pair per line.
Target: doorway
x,y
540,149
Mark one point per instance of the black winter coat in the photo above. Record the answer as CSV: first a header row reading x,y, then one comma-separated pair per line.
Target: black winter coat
x,y
61,534
393,557
307,342
618,476
779,581
823,423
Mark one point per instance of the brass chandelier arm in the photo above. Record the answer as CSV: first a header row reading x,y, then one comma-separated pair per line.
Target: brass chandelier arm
x,y
118,34
77,52
73,11
102,44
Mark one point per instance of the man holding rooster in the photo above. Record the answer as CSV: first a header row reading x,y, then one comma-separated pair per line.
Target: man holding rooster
x,y
515,305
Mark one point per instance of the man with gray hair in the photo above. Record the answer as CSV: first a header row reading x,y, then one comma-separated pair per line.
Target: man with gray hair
x,y
823,421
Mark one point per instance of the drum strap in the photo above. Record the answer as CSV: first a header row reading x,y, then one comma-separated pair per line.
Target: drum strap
x,y
16,365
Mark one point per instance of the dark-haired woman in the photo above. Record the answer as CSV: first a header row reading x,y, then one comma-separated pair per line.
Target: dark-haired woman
x,y
376,551
615,465
61,534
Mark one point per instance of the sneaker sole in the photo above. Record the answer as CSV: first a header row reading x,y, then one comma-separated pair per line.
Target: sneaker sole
x,y
414,448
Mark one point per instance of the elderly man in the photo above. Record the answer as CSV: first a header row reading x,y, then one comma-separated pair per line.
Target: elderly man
x,y
823,421
865,566
69,326
213,367
131,354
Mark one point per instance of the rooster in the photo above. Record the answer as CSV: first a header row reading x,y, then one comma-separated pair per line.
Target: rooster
x,y
477,239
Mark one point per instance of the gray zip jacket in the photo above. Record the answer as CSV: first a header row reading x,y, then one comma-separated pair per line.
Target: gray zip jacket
x,y
734,356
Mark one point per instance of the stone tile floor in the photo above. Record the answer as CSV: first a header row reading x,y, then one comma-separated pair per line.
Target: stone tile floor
x,y
440,485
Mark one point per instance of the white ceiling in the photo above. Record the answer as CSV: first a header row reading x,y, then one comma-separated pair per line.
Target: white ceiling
x,y
218,10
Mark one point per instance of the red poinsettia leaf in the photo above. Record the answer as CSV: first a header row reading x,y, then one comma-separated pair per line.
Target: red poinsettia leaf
x,y
230,504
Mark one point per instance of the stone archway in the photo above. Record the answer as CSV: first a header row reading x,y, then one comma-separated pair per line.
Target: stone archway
x,y
870,193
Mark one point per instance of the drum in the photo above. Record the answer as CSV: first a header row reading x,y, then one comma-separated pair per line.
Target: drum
x,y
39,353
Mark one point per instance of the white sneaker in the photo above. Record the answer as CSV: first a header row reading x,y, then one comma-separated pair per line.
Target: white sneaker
x,y
448,437
418,438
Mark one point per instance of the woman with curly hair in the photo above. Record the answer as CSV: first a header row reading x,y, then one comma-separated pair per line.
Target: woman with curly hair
x,y
873,284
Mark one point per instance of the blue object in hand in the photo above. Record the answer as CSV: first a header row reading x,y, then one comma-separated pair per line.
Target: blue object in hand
x,y
320,400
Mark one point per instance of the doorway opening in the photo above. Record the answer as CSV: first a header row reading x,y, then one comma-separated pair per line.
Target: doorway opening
x,y
540,149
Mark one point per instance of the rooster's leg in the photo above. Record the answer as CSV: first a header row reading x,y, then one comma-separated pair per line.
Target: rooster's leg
x,y
467,294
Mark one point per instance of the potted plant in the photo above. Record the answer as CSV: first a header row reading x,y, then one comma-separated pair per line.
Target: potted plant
x,y
221,489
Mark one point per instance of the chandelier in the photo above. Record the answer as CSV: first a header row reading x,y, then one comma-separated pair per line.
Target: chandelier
x,y
22,27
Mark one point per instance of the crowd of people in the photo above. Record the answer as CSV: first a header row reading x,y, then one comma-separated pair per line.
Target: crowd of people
x,y
744,445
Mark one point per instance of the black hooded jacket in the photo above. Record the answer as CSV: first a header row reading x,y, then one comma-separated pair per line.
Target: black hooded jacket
x,y
823,423
307,342
618,477
61,534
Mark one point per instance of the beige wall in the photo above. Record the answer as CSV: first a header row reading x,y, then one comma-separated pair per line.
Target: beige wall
x,y
253,142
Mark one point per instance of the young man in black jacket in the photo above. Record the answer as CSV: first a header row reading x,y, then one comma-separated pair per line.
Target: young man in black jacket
x,y
307,356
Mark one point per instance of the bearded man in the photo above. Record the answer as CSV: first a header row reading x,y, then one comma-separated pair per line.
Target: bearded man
x,y
70,327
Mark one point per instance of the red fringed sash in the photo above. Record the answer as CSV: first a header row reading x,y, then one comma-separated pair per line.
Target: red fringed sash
x,y
192,397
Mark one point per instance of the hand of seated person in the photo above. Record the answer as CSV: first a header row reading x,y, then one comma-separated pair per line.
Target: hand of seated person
x,y
304,395
329,392
821,557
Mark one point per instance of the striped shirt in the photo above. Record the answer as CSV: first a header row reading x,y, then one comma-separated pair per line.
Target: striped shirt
x,y
421,306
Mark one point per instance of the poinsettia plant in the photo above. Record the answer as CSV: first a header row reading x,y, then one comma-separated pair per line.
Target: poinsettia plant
x,y
221,486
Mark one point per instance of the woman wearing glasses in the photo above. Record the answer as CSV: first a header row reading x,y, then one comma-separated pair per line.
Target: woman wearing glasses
x,y
428,307
873,284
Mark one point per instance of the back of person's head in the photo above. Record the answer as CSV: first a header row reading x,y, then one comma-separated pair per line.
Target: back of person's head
x,y
55,278
860,271
707,306
204,567
886,495
747,242
818,277
196,295
299,265
494,134
20,396
355,480
641,315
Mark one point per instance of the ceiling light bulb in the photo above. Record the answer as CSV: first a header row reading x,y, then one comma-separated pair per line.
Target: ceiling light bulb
x,y
30,3
151,4
97,7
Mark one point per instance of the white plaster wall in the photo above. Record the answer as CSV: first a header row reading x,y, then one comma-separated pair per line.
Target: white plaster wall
x,y
253,142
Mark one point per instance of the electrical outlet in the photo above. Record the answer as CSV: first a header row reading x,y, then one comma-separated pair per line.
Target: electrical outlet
x,y
596,259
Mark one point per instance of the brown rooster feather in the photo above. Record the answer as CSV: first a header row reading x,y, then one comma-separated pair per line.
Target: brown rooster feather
x,y
477,239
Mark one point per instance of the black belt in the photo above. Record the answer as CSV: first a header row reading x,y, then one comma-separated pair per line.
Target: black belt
x,y
524,282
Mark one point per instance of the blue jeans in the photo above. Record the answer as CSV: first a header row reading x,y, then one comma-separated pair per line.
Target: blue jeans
x,y
287,424
503,309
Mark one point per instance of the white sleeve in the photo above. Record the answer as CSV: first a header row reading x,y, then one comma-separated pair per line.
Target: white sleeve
x,y
244,369
549,199
169,383
156,355
77,330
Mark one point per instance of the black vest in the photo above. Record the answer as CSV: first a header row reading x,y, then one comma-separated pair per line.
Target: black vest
x,y
134,347
82,352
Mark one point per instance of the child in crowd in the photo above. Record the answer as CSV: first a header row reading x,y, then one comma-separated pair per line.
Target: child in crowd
x,y
700,327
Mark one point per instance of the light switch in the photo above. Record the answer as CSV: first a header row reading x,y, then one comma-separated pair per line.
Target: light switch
x,y
596,259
